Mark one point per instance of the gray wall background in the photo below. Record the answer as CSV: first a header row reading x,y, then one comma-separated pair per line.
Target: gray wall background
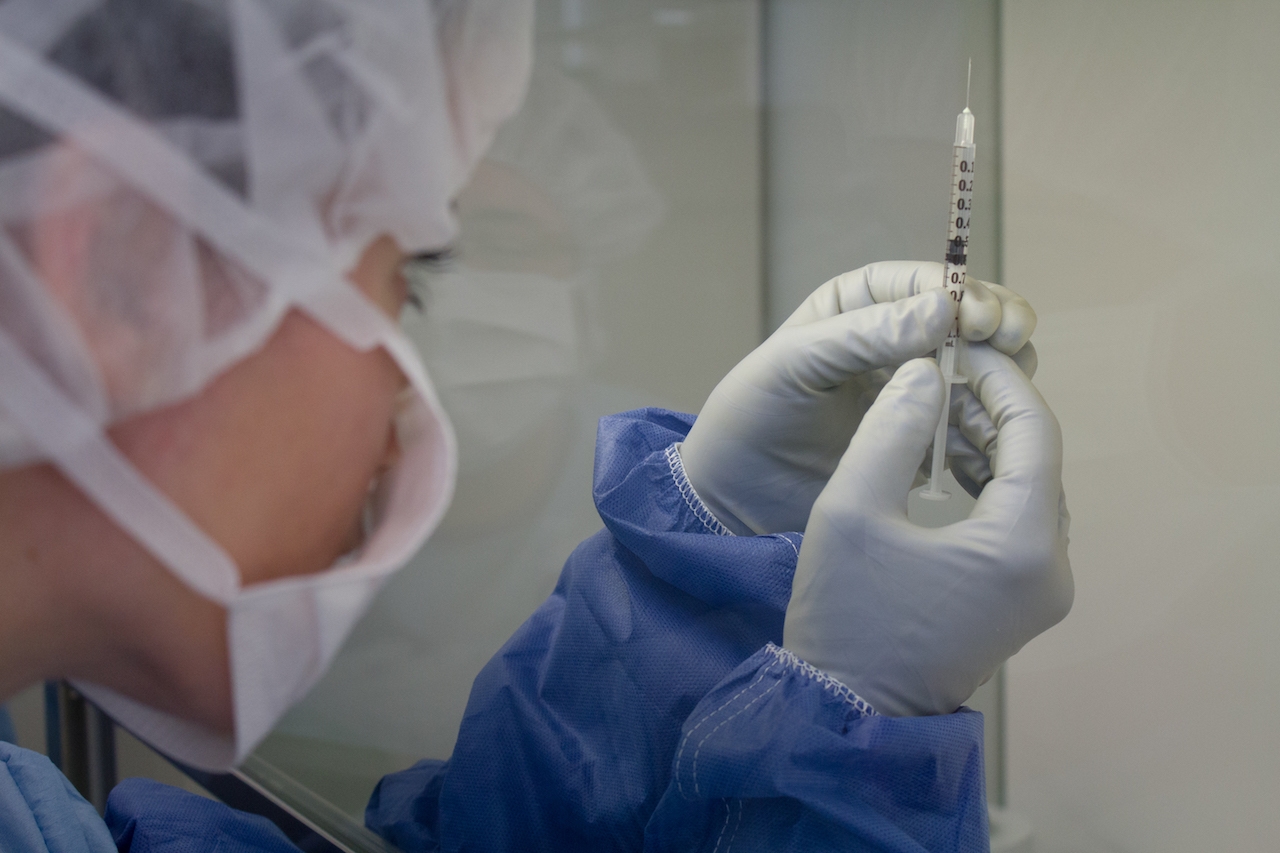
x,y
1141,182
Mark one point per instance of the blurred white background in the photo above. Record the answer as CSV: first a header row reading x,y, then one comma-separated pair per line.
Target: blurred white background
x,y
1141,219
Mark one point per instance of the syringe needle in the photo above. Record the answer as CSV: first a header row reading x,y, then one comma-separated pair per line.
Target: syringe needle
x,y
968,80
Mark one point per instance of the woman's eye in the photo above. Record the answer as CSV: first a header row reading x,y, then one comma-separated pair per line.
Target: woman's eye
x,y
417,272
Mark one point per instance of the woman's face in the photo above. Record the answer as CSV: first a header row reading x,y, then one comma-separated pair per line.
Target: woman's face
x,y
273,460
275,457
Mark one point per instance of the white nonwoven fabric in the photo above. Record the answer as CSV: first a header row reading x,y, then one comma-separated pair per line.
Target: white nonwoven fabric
x,y
248,151
332,121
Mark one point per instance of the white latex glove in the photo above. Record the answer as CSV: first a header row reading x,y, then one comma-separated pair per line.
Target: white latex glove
x,y
915,619
775,427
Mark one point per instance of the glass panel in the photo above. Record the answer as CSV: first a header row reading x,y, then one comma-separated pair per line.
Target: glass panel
x,y
609,259
858,152
859,140
634,232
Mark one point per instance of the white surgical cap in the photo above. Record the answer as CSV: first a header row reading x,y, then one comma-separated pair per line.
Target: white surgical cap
x,y
331,121
234,159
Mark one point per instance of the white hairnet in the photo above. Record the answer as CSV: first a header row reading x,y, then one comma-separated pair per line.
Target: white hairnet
x,y
333,121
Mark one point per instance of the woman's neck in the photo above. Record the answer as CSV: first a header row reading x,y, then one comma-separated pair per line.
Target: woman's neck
x,y
81,599
38,627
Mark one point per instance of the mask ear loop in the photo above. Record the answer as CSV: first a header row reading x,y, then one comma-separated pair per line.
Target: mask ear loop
x,y
83,453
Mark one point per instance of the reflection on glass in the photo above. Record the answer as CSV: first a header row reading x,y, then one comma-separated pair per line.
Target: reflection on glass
x,y
614,252
550,315
503,331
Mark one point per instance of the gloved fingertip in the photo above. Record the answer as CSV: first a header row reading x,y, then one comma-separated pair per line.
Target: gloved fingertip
x,y
1017,322
921,377
934,312
915,394
980,311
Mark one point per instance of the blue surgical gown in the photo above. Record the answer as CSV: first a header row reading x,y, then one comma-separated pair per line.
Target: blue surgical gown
x,y
39,810
647,706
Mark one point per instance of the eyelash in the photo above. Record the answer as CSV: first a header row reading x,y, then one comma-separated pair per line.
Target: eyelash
x,y
425,263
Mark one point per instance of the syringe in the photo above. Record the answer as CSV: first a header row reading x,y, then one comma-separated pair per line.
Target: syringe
x,y
954,272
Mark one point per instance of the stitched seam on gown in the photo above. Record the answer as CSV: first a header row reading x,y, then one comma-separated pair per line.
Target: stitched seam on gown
x,y
689,734
694,768
691,499
728,814
839,689
736,824
787,539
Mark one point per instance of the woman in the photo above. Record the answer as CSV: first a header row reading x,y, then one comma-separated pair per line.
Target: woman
x,y
216,444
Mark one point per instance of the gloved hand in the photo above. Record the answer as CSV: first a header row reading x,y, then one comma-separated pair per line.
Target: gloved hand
x,y
773,430
915,619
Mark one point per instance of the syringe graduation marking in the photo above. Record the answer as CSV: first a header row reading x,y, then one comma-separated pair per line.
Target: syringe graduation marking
x,y
957,255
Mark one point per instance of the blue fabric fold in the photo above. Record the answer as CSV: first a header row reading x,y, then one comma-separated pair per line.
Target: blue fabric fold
x,y
40,811
646,705
780,756
145,816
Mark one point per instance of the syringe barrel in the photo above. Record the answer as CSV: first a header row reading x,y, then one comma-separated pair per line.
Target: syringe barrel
x,y
957,257
957,263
